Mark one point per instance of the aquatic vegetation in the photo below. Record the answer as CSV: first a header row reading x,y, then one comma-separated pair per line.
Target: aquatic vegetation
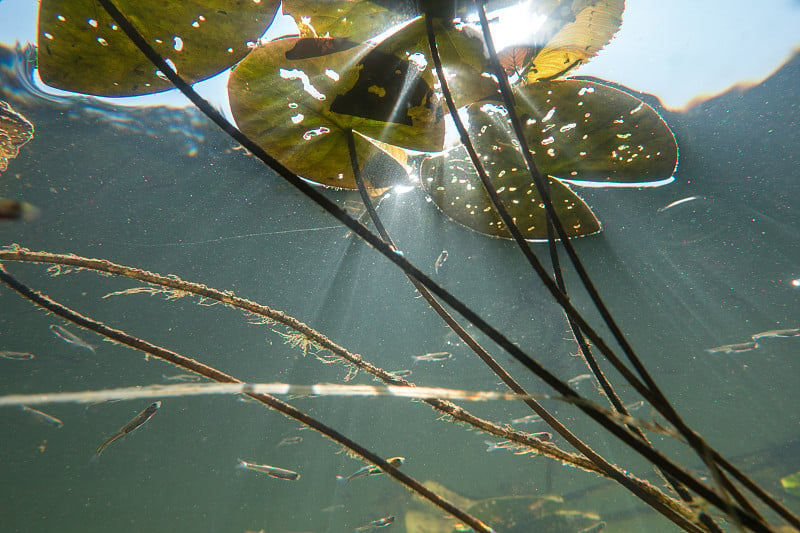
x,y
326,107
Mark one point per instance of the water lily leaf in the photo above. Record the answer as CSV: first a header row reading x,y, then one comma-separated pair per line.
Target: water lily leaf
x,y
15,131
461,54
80,49
300,110
570,33
589,132
453,184
353,20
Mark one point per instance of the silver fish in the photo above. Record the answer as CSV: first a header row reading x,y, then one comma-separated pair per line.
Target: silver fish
x,y
440,261
134,423
530,419
183,378
376,524
288,441
44,417
577,379
70,338
16,356
271,471
600,526
433,356
371,470
734,348
780,333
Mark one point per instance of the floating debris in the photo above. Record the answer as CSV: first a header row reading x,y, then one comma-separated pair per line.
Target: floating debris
x,y
271,471
578,379
134,423
70,338
433,356
44,417
16,356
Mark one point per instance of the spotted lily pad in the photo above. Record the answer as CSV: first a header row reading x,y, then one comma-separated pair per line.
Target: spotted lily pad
x,y
15,131
300,107
453,184
588,132
81,49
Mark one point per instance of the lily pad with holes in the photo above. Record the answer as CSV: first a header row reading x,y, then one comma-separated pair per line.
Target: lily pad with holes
x,y
588,132
568,33
300,107
81,49
454,186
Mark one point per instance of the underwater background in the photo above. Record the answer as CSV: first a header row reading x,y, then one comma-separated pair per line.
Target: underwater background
x,y
164,190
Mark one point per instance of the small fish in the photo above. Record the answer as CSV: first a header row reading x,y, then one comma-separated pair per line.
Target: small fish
x,y
44,417
371,470
678,202
332,508
376,524
440,261
16,356
288,441
433,356
577,379
634,406
183,378
14,210
401,373
530,419
271,471
600,526
134,423
780,333
734,348
70,338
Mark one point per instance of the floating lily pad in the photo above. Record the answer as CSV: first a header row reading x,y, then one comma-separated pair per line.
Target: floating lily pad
x,y
589,132
81,49
461,54
454,186
300,110
570,33
15,131
353,20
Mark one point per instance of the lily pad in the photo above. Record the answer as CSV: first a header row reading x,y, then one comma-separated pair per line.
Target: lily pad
x,y
454,186
348,19
301,110
461,54
571,33
588,132
15,131
81,49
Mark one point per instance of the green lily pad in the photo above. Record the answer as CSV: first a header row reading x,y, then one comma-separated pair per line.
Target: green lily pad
x,y
353,20
454,186
571,33
81,49
301,110
461,54
588,132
